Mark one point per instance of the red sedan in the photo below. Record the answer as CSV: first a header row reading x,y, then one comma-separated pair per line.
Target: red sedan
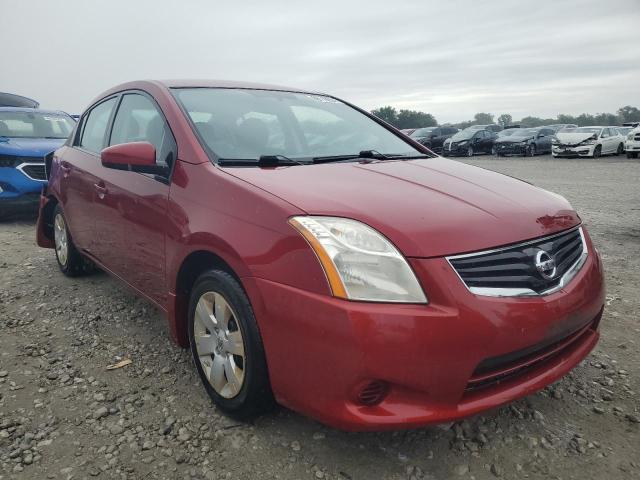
x,y
311,254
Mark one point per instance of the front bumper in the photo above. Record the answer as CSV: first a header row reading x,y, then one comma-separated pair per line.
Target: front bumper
x,y
578,151
455,150
19,194
632,146
510,148
322,350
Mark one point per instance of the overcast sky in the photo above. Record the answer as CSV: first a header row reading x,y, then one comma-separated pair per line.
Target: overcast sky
x,y
449,58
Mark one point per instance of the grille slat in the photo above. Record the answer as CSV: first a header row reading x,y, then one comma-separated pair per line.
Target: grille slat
x,y
514,267
36,172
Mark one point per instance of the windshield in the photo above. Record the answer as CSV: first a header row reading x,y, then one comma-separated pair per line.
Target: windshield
x,y
509,132
525,132
422,132
583,130
464,134
624,130
19,124
246,124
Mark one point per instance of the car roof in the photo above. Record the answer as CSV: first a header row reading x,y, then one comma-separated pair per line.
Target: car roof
x,y
31,110
202,83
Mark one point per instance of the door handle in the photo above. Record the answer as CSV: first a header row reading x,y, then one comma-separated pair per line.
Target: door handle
x,y
100,189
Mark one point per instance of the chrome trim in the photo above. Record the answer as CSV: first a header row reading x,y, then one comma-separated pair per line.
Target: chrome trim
x,y
525,292
21,168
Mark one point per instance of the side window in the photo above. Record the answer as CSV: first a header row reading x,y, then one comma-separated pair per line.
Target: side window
x,y
138,120
95,126
605,133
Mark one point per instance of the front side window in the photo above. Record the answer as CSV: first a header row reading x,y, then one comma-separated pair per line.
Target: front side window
x,y
247,124
21,124
139,120
95,126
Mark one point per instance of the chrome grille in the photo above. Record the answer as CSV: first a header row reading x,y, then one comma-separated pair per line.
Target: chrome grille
x,y
512,270
34,171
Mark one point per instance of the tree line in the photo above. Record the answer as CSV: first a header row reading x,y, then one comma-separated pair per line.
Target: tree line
x,y
415,119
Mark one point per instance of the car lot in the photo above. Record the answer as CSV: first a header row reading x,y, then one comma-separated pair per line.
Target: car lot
x,y
63,415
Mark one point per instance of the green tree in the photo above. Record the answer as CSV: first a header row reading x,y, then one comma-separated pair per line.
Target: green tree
x,y
505,119
483,118
405,118
388,114
629,114
415,119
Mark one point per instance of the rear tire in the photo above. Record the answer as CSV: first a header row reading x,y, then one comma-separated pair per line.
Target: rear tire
x,y
70,260
226,346
620,150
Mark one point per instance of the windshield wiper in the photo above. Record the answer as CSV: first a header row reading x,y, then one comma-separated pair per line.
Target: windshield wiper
x,y
368,154
262,161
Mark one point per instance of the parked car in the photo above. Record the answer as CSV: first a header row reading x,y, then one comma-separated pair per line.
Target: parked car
x,y
632,143
558,127
631,124
13,100
492,127
507,132
624,131
344,277
26,136
433,137
588,142
469,142
525,141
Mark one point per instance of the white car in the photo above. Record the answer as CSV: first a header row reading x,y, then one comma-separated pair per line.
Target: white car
x,y
587,142
632,145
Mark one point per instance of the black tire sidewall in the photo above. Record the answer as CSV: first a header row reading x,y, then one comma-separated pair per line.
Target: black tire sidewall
x,y
255,393
75,263
597,151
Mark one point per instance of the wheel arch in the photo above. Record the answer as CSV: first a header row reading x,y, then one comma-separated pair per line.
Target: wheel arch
x,y
194,264
44,233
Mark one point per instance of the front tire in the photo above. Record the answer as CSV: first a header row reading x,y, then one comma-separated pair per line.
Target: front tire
x,y
620,150
597,151
470,151
70,260
227,347
531,150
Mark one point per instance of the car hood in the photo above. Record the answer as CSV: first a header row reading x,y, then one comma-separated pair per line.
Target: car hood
x,y
426,207
32,147
512,139
573,137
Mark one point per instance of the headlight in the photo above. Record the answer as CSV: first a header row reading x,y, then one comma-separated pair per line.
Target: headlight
x,y
464,142
359,262
630,136
555,141
588,141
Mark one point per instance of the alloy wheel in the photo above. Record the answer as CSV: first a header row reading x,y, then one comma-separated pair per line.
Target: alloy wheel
x,y
532,150
60,238
219,344
470,152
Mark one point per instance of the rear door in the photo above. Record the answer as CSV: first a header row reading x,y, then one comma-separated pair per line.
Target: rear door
x,y
138,202
81,167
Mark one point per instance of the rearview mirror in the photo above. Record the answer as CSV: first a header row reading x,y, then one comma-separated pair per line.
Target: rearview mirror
x,y
133,156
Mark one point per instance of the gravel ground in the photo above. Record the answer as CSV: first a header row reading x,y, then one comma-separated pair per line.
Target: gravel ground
x,y
63,415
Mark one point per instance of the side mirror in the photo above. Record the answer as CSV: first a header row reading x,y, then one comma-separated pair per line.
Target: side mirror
x,y
134,156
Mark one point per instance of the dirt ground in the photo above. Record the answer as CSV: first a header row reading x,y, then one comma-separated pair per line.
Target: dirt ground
x,y
63,415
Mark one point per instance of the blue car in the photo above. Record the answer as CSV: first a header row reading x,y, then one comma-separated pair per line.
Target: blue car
x,y
26,136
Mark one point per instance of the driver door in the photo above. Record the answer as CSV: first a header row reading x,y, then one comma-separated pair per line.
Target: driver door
x,y
137,201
